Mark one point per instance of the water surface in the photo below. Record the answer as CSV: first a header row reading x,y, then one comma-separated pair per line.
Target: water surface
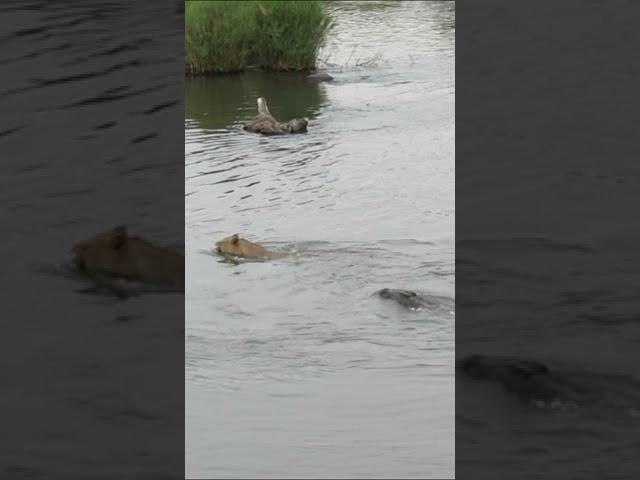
x,y
89,91
550,272
293,367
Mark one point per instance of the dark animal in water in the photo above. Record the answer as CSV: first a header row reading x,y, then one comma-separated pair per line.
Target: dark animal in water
x,y
529,379
266,124
539,384
113,259
406,298
319,77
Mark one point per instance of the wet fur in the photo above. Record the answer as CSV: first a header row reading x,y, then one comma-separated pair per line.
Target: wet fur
x,y
240,247
116,254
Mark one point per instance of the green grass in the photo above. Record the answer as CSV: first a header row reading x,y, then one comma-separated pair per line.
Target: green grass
x,y
229,36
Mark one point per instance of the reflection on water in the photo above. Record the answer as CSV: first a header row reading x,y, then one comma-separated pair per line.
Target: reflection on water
x,y
232,98
88,90
294,366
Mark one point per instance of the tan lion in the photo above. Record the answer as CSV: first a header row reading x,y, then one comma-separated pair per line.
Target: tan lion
x,y
239,247
115,253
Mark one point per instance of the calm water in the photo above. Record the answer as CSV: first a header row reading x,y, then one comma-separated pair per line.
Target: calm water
x,y
293,368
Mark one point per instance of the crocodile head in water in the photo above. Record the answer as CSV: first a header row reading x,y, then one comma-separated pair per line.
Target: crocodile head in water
x,y
534,381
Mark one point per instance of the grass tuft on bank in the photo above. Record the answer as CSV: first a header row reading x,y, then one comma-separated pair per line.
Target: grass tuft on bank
x,y
229,36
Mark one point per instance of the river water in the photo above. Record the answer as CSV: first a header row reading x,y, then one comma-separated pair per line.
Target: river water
x,y
91,137
293,367
550,272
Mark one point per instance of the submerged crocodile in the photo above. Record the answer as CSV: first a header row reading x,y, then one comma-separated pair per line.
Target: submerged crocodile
x,y
319,77
539,384
411,300
266,124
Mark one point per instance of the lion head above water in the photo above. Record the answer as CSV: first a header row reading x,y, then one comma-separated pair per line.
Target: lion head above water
x,y
115,252
239,247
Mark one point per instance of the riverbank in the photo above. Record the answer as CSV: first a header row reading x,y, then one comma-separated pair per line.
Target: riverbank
x,y
231,36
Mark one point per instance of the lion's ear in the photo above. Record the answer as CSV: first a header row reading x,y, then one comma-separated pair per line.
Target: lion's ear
x,y
118,238
235,238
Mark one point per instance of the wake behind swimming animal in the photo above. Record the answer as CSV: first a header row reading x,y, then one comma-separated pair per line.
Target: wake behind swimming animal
x,y
239,247
266,124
